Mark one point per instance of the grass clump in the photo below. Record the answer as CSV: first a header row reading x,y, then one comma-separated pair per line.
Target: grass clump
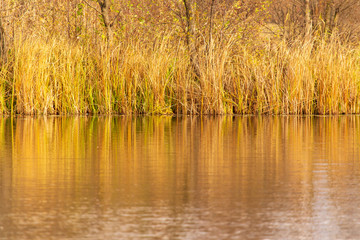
x,y
58,77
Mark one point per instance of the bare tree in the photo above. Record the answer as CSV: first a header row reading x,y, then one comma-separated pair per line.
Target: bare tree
x,y
301,17
105,15
104,12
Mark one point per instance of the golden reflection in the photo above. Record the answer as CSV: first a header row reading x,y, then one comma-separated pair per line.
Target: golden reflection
x,y
216,162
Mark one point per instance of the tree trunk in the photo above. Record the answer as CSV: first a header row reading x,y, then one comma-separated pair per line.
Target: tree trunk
x,y
211,21
330,16
3,49
105,14
308,23
191,36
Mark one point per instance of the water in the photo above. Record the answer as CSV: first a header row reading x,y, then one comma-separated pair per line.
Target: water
x,y
180,178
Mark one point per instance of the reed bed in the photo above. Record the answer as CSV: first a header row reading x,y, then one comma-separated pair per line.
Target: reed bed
x,y
55,76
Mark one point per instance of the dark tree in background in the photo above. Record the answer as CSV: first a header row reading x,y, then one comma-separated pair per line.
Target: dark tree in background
x,y
303,17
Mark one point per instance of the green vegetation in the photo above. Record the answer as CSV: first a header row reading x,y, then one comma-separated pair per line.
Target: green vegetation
x,y
132,59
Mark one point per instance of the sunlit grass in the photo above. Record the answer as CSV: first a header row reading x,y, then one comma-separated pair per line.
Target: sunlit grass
x,y
59,77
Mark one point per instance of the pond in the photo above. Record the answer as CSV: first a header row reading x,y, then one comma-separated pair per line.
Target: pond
x,y
184,177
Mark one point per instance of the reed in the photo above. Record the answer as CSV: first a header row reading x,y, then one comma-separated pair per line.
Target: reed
x,y
55,76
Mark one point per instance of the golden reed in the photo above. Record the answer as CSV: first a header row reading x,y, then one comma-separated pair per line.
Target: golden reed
x,y
45,77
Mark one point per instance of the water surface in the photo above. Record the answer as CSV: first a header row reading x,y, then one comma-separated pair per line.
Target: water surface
x,y
180,178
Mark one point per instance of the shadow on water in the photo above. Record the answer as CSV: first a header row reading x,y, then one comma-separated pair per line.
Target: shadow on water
x,y
176,178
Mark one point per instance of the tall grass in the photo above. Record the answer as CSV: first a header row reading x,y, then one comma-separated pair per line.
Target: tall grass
x,y
54,76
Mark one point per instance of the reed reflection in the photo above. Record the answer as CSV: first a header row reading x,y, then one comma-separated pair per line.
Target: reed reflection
x,y
220,177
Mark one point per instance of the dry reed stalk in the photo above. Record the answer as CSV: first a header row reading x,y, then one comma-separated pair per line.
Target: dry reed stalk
x,y
57,77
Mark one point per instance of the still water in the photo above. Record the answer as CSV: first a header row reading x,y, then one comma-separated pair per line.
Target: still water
x,y
180,178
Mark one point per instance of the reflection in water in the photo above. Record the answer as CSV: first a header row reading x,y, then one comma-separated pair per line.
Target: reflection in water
x,y
176,178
